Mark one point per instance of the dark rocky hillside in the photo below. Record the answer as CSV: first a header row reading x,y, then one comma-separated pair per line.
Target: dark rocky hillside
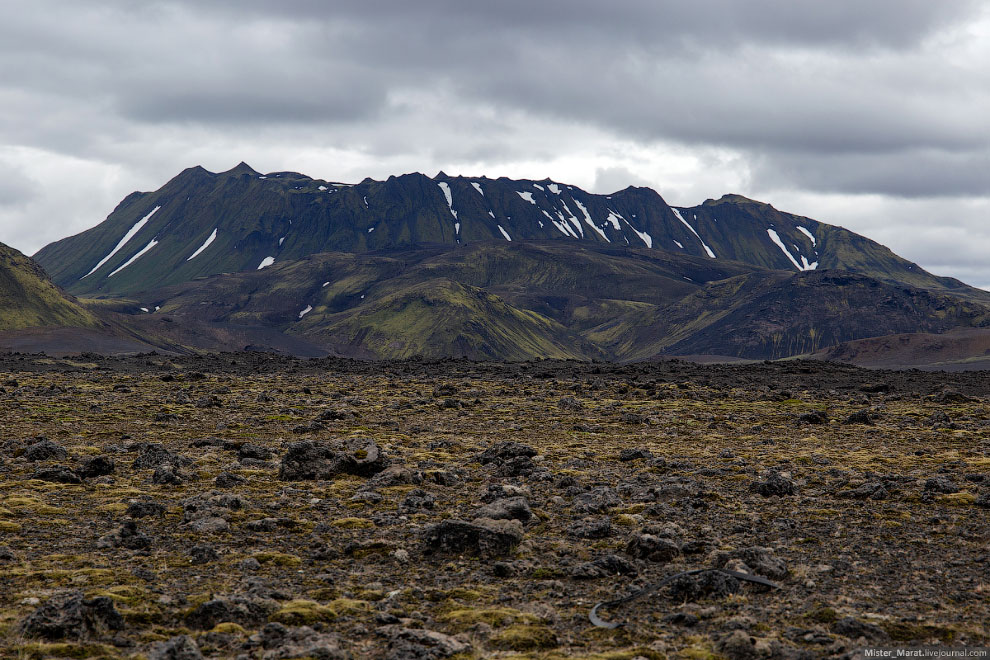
x,y
202,223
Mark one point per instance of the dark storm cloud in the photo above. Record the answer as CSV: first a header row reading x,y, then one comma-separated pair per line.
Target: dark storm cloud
x,y
909,173
887,97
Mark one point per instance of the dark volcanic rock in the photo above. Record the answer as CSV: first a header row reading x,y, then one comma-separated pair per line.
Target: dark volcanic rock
x,y
177,648
634,454
309,460
57,474
203,554
652,548
504,451
761,560
419,644
71,616
484,537
597,500
604,566
151,455
303,642
228,480
941,484
774,485
710,584
590,528
813,417
145,508
235,609
249,450
506,509
854,629
96,466
859,417
45,450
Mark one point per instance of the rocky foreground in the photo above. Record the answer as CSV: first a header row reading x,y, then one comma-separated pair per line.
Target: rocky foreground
x,y
255,506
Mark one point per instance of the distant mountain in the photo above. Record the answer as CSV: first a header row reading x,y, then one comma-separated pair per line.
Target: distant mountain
x,y
551,299
28,299
201,223
489,269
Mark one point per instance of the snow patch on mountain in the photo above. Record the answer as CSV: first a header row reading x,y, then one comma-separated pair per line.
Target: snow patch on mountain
x,y
703,244
450,199
804,265
591,223
137,256
266,262
810,236
128,236
205,245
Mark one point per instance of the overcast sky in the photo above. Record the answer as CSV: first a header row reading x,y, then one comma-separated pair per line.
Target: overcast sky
x,y
871,115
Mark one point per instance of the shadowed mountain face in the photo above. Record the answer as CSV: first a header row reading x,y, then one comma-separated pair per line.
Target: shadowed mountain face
x,y
201,223
492,300
491,269
28,299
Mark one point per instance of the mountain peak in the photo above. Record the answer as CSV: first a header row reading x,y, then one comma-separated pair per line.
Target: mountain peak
x,y
733,198
242,168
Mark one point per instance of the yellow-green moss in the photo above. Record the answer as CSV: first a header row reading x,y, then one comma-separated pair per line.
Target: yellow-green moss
x,y
525,637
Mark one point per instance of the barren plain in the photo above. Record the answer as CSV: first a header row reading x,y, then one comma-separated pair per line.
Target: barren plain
x,y
259,506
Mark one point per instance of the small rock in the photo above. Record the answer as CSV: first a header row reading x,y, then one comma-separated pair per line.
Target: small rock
x,y
635,454
71,616
249,450
144,509
652,548
44,450
228,480
235,609
597,500
941,484
166,475
775,485
203,554
854,629
605,566
152,455
737,645
859,417
512,508
505,451
484,537
96,466
57,474
420,644
177,648
763,561
591,528
813,417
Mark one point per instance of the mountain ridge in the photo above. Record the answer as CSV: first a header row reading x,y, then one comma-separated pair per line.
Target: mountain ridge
x,y
203,223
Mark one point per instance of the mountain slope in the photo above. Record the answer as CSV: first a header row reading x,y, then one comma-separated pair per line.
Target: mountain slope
x,y
28,299
201,223
499,300
775,315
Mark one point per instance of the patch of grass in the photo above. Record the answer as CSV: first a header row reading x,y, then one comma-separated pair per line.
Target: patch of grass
x,y
496,617
353,523
303,613
40,651
525,637
277,559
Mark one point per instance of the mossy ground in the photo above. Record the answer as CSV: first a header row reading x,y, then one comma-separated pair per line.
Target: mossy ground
x,y
913,564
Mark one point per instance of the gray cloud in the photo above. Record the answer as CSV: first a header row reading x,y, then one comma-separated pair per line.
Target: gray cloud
x,y
888,99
